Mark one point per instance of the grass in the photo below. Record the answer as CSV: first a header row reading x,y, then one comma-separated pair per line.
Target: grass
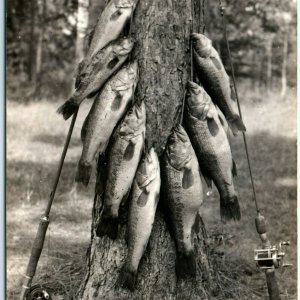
x,y
35,137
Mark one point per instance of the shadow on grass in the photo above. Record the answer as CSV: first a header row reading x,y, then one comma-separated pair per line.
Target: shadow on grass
x,y
274,166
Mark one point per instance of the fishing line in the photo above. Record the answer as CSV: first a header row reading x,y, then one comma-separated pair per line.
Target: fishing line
x,y
238,104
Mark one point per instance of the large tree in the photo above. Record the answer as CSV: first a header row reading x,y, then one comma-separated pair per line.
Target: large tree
x,y
161,30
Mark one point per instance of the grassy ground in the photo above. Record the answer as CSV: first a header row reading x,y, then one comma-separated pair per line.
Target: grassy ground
x,y
35,136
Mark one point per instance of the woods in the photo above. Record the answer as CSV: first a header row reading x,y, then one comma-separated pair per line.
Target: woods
x,y
43,34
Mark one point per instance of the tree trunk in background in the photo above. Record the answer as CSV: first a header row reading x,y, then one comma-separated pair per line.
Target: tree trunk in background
x,y
161,30
284,65
269,54
82,25
31,69
39,49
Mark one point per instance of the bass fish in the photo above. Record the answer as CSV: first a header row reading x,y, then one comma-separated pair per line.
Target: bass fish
x,y
212,148
182,198
215,80
124,157
95,73
106,111
111,23
145,196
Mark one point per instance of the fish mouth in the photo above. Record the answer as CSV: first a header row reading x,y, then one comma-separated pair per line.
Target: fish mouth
x,y
193,87
180,133
201,44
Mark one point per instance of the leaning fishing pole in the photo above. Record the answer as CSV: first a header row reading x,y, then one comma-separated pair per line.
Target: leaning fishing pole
x,y
29,292
268,257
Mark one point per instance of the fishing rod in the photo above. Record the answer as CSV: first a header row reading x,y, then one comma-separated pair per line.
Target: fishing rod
x,y
29,292
268,257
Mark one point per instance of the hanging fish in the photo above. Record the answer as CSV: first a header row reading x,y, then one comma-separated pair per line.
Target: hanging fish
x,y
111,23
214,78
95,73
182,198
124,157
212,148
145,196
107,109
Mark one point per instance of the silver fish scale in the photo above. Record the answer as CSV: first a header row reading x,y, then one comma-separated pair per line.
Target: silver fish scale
x,y
216,83
214,154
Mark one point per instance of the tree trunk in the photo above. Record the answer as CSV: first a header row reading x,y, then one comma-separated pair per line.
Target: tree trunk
x,y
161,30
31,70
269,62
39,49
82,25
284,65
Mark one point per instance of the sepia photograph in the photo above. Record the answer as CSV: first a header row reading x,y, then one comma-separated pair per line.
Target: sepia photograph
x,y
151,150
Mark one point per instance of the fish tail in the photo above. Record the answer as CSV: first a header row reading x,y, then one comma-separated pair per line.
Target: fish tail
x,y
185,265
83,173
236,124
127,279
67,109
230,209
107,226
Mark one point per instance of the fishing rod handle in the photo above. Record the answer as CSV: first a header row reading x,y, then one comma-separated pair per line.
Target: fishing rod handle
x,y
272,285
35,255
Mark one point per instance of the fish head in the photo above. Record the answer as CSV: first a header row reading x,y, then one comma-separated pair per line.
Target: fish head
x,y
198,101
148,169
134,122
123,47
201,44
179,148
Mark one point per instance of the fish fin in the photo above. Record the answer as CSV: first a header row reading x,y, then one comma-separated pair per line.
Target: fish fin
x,y
129,152
212,127
234,168
196,226
127,279
67,109
232,93
143,198
221,120
83,173
107,226
84,129
113,63
92,94
116,104
188,178
236,124
216,62
230,209
207,179
185,265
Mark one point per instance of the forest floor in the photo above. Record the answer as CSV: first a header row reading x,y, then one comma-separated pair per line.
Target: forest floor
x,y
35,137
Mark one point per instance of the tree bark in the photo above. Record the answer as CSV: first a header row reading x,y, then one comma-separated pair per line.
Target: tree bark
x,y
161,30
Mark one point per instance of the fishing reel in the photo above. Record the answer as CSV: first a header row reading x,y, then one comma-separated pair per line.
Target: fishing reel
x,y
271,257
38,292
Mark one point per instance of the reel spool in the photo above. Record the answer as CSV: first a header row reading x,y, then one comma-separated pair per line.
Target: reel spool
x,y
271,257
38,292
268,256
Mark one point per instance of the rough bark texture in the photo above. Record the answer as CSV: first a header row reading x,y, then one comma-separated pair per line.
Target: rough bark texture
x,y
161,30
